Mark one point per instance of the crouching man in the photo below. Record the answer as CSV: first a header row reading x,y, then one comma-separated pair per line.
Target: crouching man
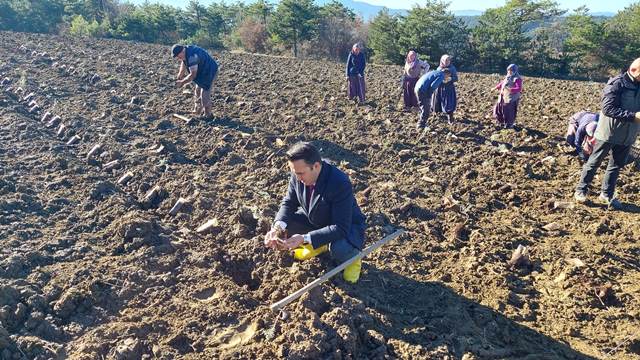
x,y
582,126
319,211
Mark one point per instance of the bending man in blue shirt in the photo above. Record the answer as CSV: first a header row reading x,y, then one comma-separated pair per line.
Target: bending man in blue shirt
x,y
199,68
426,85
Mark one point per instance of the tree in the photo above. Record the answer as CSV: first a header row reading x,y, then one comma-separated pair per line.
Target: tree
x,y
150,23
337,9
432,31
9,18
335,31
90,10
196,12
500,37
294,22
41,16
584,43
260,10
383,38
622,37
81,27
227,17
543,57
253,35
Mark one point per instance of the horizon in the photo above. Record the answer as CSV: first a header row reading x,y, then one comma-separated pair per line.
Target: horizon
x,y
611,6
457,6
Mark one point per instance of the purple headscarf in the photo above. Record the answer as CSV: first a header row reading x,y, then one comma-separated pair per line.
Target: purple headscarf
x,y
510,79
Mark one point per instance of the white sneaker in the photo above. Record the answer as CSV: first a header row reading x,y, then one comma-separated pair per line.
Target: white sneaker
x,y
580,197
612,203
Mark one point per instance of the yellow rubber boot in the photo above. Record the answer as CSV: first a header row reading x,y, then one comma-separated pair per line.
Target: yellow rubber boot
x,y
306,252
352,272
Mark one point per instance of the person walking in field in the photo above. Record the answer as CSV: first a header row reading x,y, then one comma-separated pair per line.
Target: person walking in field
x,y
413,68
356,63
616,133
445,99
425,87
198,67
506,109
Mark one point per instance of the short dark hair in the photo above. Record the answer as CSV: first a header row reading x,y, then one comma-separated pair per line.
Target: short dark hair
x,y
446,71
304,151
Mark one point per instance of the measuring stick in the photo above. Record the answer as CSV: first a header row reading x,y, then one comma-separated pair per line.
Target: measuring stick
x,y
284,302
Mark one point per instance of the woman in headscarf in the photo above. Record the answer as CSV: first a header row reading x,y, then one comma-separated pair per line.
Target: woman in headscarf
x,y
444,99
510,88
356,63
413,68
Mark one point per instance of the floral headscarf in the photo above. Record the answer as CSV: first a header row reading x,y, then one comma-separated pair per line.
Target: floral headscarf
x,y
410,61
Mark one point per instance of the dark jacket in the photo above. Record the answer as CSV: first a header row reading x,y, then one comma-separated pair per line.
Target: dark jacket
x,y
620,102
207,67
333,211
356,64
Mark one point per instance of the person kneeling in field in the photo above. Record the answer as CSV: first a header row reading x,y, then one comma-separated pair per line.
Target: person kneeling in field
x,y
202,69
320,211
582,126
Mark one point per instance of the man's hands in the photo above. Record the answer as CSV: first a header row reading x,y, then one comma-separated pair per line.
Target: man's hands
x,y
183,82
637,117
271,240
293,242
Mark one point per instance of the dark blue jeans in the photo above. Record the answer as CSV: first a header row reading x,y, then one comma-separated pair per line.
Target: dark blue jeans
x,y
617,161
341,250
424,101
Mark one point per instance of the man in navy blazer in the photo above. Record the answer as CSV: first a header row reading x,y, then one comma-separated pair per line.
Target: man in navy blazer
x,y
320,211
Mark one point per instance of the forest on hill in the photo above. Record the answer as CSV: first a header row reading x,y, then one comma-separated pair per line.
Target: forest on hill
x,y
536,34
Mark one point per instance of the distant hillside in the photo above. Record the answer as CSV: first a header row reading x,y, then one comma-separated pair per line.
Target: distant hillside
x,y
366,10
362,8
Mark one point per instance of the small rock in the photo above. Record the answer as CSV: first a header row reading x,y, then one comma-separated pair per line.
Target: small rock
x,y
552,226
520,256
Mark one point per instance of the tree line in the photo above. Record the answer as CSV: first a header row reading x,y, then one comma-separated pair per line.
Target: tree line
x,y
536,34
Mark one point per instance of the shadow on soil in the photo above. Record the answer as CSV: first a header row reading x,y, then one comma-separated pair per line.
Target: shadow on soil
x,y
431,314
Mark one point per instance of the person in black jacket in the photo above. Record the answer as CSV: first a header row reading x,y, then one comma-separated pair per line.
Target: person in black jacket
x,y
616,132
320,211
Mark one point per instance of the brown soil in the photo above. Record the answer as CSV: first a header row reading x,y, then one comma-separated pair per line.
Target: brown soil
x,y
91,268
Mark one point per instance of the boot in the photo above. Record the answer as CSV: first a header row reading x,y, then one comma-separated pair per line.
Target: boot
x,y
450,118
306,252
352,272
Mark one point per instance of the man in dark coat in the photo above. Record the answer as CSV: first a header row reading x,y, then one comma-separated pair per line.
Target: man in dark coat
x,y
199,68
616,132
320,211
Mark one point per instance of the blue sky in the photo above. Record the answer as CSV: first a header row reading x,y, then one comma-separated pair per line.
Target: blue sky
x,y
594,5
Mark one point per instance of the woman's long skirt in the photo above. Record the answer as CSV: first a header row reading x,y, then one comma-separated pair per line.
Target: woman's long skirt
x,y
408,92
444,99
357,87
505,113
